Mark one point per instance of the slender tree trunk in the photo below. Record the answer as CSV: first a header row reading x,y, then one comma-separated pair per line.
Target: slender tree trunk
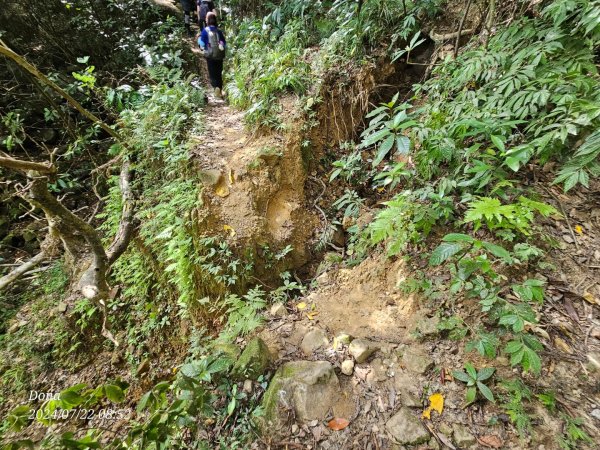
x,y
460,27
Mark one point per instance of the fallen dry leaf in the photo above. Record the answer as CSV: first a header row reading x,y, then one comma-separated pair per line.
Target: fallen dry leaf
x,y
541,332
436,403
311,315
559,343
571,310
578,230
588,297
445,440
222,191
229,229
338,424
491,441
301,306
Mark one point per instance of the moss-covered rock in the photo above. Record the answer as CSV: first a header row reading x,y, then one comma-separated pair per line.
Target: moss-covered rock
x,y
309,388
253,361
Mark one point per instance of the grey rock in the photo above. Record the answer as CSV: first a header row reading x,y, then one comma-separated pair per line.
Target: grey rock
x,y
348,367
595,413
342,338
429,326
378,371
406,428
143,367
248,386
62,307
253,361
361,349
279,310
310,388
462,436
407,398
313,340
444,428
210,177
417,361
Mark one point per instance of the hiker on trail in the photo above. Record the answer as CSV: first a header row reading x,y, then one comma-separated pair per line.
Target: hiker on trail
x,y
204,7
212,41
188,7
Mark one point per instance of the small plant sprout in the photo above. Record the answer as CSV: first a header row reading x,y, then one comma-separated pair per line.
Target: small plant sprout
x,y
474,379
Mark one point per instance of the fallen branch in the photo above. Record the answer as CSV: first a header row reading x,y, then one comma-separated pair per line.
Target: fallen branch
x,y
439,38
19,164
92,283
47,250
126,225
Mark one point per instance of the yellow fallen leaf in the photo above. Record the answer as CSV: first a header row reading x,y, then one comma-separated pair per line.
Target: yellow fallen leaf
x,y
311,315
229,229
558,342
301,306
578,230
436,403
231,179
588,297
222,191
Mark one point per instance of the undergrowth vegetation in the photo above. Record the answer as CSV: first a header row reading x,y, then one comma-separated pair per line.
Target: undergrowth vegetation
x,y
290,49
460,155
450,171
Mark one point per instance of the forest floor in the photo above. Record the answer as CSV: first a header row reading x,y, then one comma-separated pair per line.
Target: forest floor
x,y
387,348
410,357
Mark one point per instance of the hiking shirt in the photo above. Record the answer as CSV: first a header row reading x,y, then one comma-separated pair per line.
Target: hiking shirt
x,y
204,7
203,41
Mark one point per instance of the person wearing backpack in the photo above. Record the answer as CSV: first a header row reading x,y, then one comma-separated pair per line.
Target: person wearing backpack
x,y
212,41
204,7
188,7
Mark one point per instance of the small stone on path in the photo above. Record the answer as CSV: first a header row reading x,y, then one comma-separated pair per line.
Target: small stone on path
x,y
313,340
361,349
462,436
348,367
406,428
416,361
279,310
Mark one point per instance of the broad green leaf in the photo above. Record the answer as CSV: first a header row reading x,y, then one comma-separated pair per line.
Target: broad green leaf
x,y
114,393
458,237
403,145
471,394
462,376
375,137
70,399
487,393
144,401
498,251
443,252
383,150
471,370
485,373
499,143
